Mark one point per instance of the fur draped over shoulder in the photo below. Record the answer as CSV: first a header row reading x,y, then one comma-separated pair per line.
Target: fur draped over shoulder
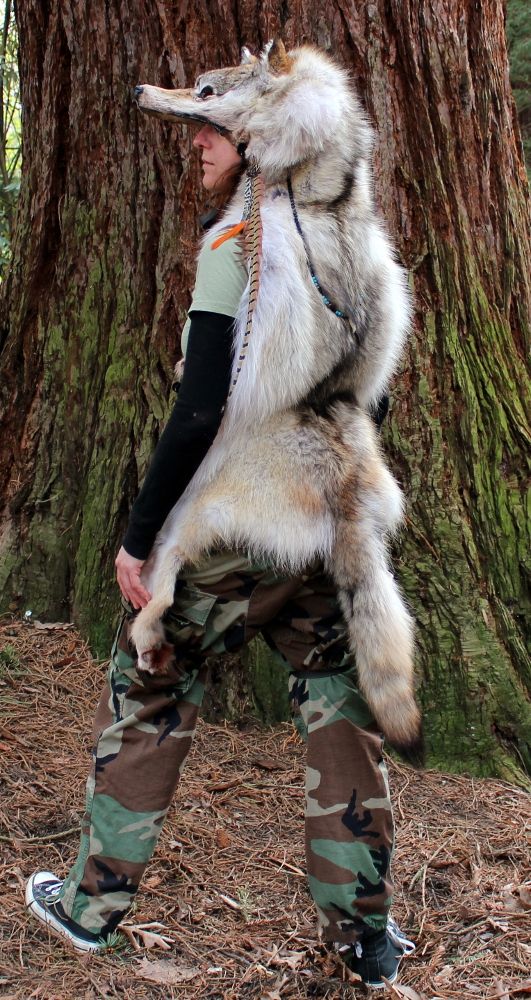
x,y
296,471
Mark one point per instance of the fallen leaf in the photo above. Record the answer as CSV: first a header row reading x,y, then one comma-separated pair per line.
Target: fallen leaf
x,y
166,972
403,991
444,975
279,957
512,903
501,990
524,893
222,839
268,763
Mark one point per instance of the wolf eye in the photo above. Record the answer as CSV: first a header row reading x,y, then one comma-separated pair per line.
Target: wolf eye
x,y
206,92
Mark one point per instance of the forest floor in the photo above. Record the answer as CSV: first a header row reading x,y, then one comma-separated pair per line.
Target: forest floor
x,y
225,899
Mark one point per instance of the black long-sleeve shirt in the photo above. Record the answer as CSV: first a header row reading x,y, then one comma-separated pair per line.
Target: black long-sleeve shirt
x,y
191,428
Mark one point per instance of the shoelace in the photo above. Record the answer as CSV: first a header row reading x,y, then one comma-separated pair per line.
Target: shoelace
x,y
49,889
395,934
399,938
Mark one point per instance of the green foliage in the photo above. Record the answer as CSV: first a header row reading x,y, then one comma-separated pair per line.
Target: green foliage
x,y
8,658
518,28
10,129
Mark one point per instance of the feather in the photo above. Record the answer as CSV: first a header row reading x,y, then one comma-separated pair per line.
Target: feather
x,y
233,231
252,229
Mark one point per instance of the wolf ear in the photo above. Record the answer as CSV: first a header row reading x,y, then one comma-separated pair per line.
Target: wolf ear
x,y
277,58
246,56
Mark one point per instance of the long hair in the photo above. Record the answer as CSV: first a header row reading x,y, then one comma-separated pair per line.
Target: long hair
x,y
225,188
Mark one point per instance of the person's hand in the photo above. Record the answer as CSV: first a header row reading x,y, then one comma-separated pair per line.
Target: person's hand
x,y
128,575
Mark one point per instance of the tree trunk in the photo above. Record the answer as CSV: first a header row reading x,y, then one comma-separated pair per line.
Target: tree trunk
x,y
102,265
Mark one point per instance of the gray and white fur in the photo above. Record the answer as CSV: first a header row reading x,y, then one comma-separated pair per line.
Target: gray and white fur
x,y
296,471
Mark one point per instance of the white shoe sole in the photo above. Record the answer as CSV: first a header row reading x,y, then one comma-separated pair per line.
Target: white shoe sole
x,y
53,924
382,986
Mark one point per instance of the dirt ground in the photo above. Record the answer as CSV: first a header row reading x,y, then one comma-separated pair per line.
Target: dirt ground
x,y
225,898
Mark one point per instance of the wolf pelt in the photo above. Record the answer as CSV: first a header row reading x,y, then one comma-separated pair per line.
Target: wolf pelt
x,y
296,471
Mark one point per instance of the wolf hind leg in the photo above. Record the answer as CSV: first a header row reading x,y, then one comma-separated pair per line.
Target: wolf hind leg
x,y
380,631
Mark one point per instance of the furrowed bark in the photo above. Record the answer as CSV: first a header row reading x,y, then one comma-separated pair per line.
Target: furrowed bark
x,y
102,265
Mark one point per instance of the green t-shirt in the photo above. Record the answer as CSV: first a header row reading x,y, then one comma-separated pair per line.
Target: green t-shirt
x,y
220,282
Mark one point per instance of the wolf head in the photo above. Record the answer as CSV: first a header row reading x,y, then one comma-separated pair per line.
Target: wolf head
x,y
287,108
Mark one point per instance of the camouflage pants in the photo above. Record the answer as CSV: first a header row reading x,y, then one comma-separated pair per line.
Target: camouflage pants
x,y
144,728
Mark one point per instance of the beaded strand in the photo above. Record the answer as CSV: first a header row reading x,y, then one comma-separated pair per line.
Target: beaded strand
x,y
326,298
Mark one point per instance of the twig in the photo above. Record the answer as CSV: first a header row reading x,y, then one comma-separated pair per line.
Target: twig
x,y
39,840
511,989
424,867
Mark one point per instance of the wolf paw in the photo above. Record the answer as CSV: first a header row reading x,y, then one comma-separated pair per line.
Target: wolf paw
x,y
147,634
157,659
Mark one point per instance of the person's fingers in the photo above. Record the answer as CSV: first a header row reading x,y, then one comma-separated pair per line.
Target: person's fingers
x,y
139,595
131,587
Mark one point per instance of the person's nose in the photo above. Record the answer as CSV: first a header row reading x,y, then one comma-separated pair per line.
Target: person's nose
x,y
201,139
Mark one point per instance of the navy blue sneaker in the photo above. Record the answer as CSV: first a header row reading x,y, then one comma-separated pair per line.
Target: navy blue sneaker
x,y
42,891
377,957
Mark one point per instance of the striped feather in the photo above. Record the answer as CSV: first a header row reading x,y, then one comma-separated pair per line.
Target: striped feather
x,y
252,235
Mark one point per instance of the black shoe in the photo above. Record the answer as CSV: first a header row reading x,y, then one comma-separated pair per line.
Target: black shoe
x,y
377,957
41,900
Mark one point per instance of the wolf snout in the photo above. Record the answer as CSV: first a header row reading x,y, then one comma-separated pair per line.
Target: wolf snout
x,y
138,90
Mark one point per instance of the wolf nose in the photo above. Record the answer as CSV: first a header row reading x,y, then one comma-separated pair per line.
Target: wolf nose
x,y
137,91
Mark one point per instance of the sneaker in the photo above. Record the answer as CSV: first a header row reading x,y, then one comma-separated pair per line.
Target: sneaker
x,y
399,938
377,957
42,891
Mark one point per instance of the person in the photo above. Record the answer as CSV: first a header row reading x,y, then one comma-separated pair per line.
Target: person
x,y
145,723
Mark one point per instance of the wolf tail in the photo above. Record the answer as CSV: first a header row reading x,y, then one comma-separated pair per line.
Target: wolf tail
x,y
380,633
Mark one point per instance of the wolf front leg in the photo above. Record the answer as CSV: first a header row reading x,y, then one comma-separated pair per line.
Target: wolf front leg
x,y
199,526
147,632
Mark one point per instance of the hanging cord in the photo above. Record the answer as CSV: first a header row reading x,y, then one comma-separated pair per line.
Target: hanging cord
x,y
326,298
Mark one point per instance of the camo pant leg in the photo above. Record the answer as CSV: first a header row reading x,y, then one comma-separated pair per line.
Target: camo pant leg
x,y
348,818
144,728
143,731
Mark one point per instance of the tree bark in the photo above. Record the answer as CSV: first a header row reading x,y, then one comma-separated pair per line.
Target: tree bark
x,y
102,265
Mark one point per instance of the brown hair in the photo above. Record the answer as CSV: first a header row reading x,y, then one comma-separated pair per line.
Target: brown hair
x,y
226,187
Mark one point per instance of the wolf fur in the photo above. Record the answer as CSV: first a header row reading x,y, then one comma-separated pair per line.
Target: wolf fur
x,y
296,471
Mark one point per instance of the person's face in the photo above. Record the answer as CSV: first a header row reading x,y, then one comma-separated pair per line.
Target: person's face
x,y
218,155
